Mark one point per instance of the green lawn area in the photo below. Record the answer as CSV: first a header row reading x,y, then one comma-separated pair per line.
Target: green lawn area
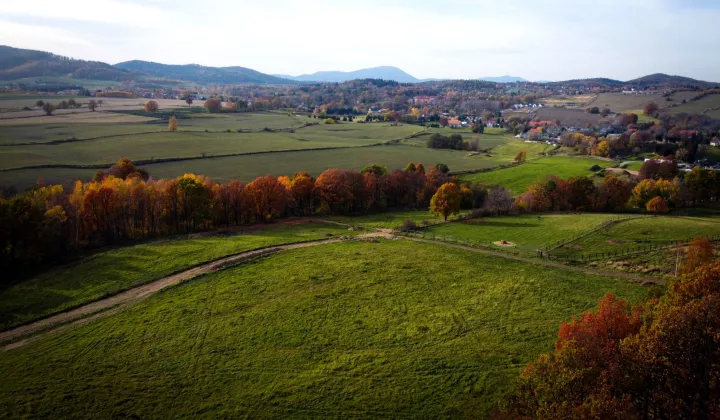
x,y
119,269
642,118
392,329
518,178
644,231
528,232
388,220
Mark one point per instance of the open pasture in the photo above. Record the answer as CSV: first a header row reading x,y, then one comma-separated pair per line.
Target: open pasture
x,y
247,167
620,102
72,116
634,233
163,145
8,106
709,105
115,270
527,233
488,140
388,220
391,329
518,178
567,100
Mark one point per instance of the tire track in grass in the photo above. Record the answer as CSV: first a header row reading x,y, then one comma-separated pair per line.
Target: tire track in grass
x,y
108,306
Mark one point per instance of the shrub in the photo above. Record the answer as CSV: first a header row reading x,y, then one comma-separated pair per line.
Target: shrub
x,y
407,226
595,168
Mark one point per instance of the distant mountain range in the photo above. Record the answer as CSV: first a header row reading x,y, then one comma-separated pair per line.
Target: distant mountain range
x,y
198,73
383,72
16,63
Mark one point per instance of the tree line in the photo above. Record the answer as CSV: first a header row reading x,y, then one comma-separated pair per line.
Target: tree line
x,y
48,223
657,192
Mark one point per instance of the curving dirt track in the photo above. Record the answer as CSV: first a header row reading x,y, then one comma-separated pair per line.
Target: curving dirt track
x,y
105,307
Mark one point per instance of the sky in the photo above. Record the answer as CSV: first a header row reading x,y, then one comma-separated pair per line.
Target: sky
x,y
454,39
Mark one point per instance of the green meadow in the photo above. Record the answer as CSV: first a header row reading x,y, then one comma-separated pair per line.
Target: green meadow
x,y
112,271
358,329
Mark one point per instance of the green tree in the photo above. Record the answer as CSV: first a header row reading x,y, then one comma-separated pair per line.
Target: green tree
x,y
48,108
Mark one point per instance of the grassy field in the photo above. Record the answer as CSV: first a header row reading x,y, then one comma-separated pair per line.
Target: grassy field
x,y
388,220
527,232
488,140
391,329
119,269
645,231
246,168
519,178
709,105
619,102
162,145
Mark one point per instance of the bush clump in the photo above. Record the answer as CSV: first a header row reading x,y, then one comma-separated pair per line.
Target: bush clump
x,y
407,226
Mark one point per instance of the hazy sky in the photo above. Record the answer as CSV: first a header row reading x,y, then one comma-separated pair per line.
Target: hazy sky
x,y
535,39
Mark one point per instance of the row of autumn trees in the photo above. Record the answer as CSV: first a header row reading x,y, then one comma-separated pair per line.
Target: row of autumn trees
x,y
658,360
123,204
614,194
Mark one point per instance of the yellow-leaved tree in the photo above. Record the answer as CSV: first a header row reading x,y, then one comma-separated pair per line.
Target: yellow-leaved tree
x,y
446,200
173,124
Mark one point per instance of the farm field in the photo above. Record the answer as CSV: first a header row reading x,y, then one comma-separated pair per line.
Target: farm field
x,y
115,270
9,105
59,131
488,140
527,232
518,178
248,167
163,145
567,116
354,329
644,231
620,102
709,105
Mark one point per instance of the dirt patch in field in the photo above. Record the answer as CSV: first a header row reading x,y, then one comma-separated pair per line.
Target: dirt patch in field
x,y
574,246
616,242
504,244
622,171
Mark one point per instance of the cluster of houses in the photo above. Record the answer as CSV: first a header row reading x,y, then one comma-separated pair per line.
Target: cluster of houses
x,y
526,106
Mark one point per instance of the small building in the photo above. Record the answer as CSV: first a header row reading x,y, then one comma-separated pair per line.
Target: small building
x,y
454,123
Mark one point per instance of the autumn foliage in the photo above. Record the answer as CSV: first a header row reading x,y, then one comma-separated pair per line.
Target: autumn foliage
x,y
151,106
173,124
213,105
446,200
124,203
655,361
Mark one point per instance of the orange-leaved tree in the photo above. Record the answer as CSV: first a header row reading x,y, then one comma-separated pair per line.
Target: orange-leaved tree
x,y
700,252
173,124
151,106
446,200
520,157
266,198
213,105
657,205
